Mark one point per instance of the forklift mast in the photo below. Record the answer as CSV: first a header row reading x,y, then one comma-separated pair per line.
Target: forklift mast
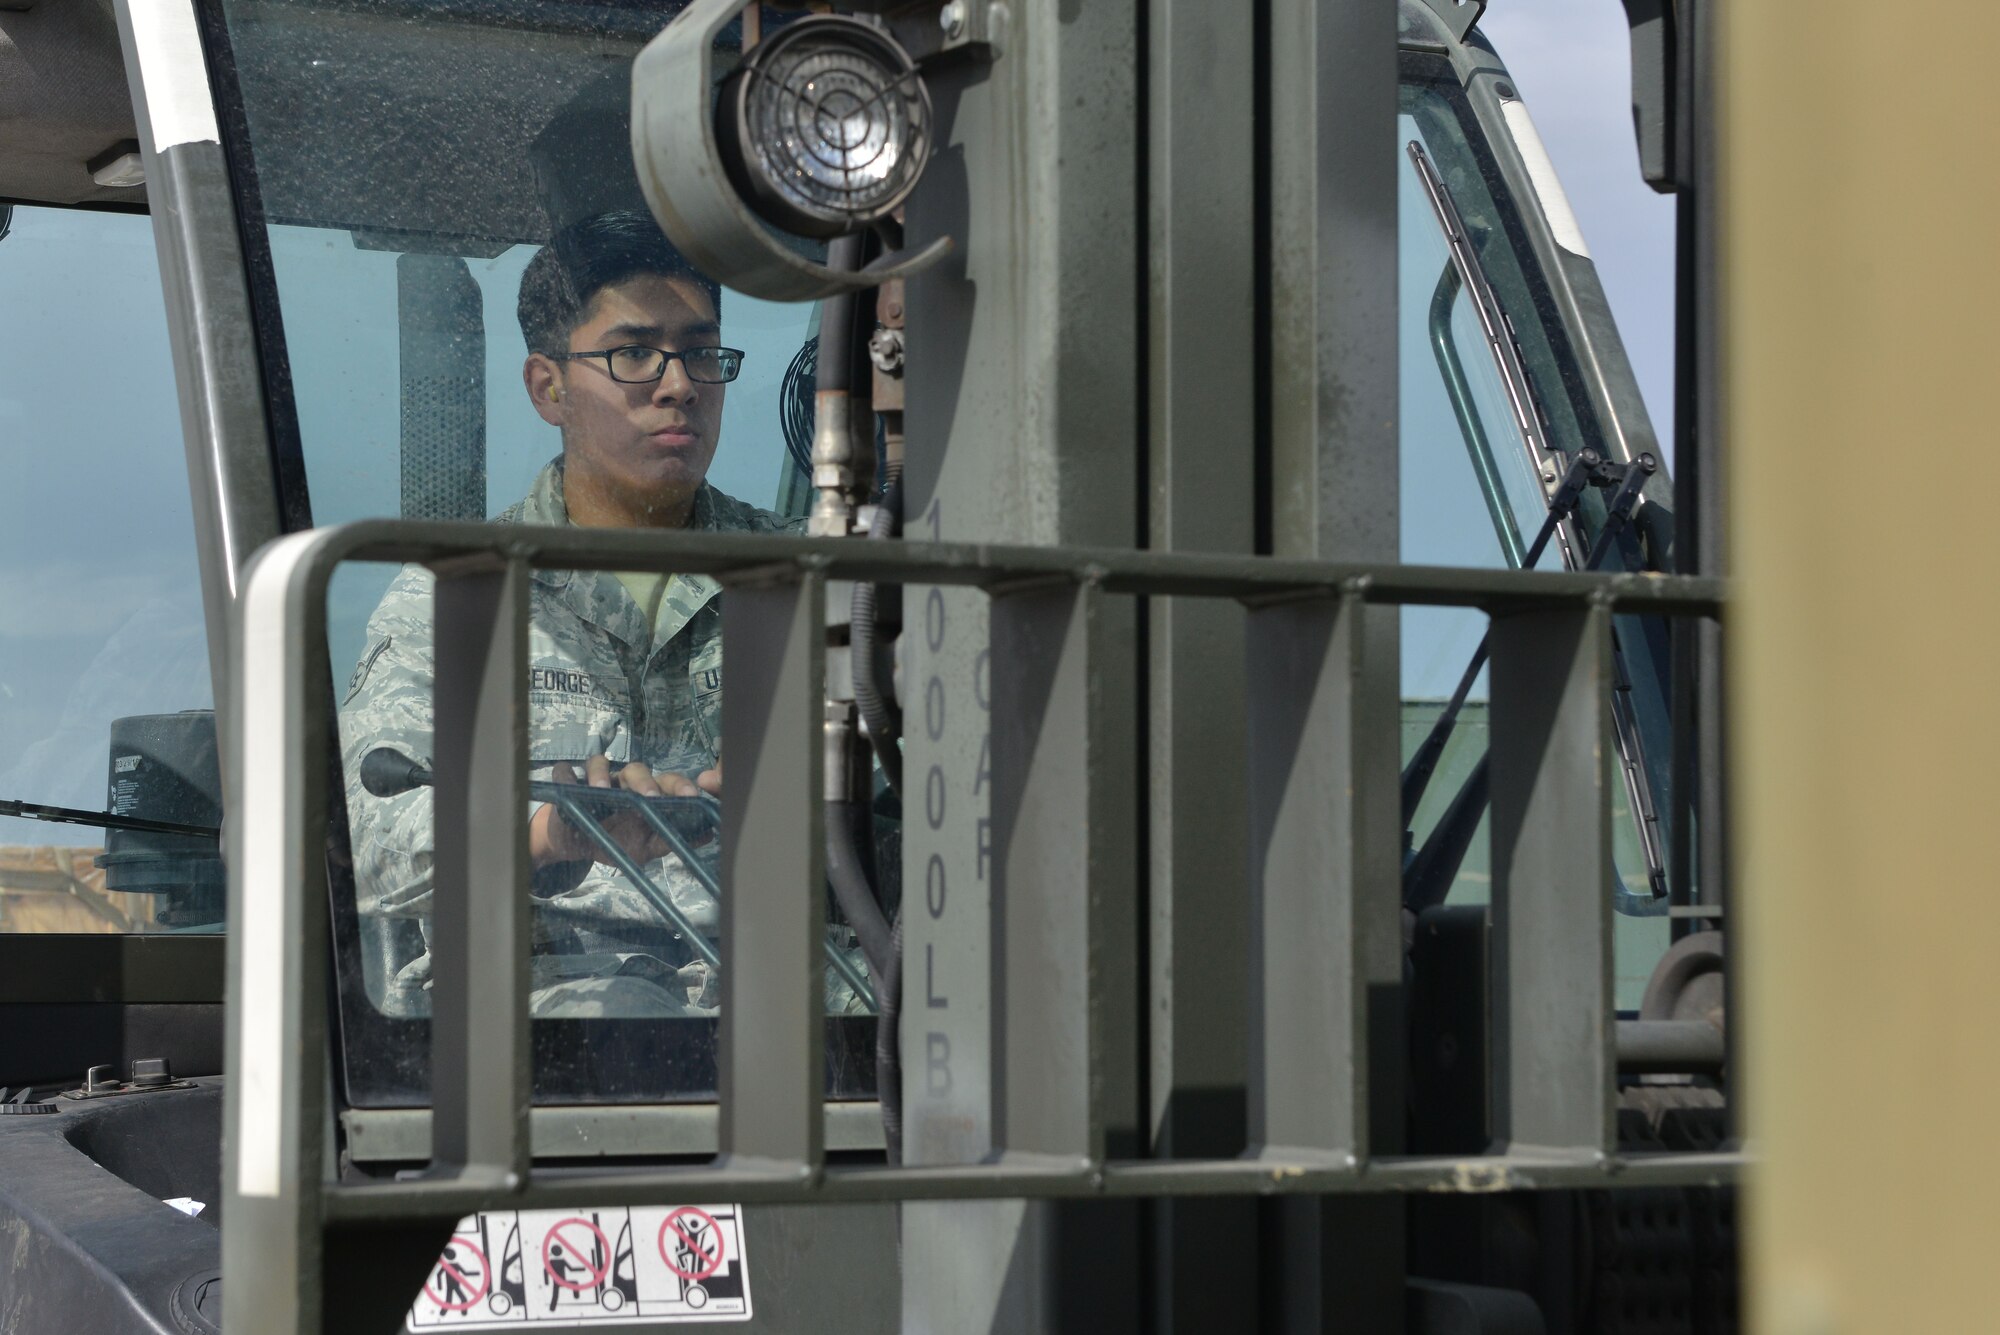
x,y
1223,822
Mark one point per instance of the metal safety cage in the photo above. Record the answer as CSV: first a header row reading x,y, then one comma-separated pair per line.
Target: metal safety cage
x,y
1312,729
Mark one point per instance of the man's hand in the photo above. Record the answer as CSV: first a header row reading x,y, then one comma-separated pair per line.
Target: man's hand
x,y
552,839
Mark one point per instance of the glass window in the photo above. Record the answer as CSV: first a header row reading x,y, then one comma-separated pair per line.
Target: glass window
x,y
480,320
1474,494
105,697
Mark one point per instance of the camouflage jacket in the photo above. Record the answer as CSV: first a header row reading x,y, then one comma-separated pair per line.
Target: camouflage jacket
x,y
602,681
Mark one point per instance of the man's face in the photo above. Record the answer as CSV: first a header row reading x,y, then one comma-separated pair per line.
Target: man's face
x,y
644,447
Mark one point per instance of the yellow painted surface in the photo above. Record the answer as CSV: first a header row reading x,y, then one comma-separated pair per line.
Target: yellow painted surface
x,y
61,890
1861,213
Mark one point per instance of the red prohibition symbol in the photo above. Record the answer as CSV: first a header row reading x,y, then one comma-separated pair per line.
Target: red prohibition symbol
x,y
474,1291
702,1219
555,1235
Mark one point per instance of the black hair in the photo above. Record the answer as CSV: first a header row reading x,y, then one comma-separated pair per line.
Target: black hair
x,y
582,260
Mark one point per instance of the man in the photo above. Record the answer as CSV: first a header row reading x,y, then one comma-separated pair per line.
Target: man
x,y
625,670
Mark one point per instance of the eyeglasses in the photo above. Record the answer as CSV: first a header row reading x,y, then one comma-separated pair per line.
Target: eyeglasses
x,y
636,365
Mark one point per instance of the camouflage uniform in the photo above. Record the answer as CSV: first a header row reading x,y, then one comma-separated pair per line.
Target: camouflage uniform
x,y
602,681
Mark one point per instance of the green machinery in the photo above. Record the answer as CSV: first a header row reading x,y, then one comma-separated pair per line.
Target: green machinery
x,y
1293,692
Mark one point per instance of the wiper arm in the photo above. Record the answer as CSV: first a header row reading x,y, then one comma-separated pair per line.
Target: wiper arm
x,y
1427,875
1417,774
106,820
1494,325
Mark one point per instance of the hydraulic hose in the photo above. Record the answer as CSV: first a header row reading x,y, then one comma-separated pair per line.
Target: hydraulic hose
x,y
889,1044
884,724
833,436
848,875
879,714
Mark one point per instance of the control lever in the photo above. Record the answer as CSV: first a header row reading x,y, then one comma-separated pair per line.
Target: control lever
x,y
387,772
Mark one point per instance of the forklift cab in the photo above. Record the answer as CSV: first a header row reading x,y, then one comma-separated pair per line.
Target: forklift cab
x,y
312,274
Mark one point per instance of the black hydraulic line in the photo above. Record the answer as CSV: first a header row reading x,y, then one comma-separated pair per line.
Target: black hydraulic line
x,y
834,369
851,887
1445,348
103,820
880,716
889,1046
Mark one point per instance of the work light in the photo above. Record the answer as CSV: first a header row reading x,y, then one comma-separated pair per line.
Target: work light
x,y
825,127
820,132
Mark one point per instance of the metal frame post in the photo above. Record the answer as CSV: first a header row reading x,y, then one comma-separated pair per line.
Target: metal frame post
x,y
1334,481
771,1070
224,428
1317,725
480,1057
1024,413
276,1123
1051,850
1554,1042
1201,388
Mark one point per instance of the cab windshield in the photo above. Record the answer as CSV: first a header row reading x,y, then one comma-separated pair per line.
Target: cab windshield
x,y
470,315
467,313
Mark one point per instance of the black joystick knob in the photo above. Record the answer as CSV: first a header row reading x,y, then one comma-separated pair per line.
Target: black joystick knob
x,y
387,772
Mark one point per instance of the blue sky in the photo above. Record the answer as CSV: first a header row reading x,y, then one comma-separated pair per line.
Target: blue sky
x,y
1572,63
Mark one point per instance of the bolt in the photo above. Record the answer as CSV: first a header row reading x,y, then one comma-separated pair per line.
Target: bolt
x,y
952,18
885,350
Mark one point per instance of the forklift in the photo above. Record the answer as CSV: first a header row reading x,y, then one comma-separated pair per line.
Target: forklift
x,y
1224,828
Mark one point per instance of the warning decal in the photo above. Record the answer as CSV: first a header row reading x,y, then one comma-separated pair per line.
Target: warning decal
x,y
651,1265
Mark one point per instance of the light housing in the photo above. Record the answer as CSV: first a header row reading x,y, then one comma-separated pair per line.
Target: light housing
x,y
720,180
825,126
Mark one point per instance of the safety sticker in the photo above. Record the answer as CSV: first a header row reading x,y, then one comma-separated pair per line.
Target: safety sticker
x,y
620,1267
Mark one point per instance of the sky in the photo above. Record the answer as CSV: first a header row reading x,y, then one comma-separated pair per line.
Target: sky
x,y
1572,64
99,614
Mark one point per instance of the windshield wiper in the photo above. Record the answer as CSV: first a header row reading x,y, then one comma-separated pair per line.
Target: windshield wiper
x,y
1445,849
107,820
1427,875
1417,773
1497,330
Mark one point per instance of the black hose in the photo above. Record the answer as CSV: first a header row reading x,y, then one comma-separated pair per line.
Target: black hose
x,y
889,1045
849,878
879,714
835,366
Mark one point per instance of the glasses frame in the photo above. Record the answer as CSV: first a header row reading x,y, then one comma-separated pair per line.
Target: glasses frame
x,y
666,359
